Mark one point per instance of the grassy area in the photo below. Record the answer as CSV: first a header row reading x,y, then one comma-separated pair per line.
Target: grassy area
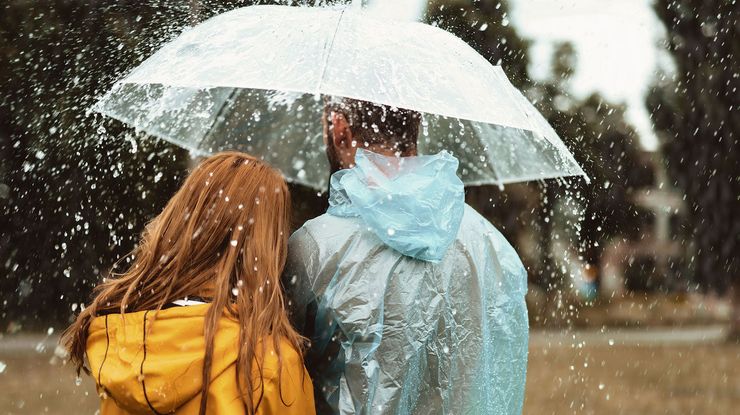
x,y
634,380
564,378
37,383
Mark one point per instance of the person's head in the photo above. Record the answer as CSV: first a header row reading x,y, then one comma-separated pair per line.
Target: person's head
x,y
350,124
222,236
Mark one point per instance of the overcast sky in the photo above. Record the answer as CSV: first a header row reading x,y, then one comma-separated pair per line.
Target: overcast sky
x,y
616,41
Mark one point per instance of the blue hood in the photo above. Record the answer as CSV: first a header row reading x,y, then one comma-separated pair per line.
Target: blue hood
x,y
413,204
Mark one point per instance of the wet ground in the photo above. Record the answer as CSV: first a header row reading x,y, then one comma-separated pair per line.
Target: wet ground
x,y
689,371
669,371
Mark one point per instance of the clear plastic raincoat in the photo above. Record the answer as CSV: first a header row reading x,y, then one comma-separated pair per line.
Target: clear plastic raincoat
x,y
414,303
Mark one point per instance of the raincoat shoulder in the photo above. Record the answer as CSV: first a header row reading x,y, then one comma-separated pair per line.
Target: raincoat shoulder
x,y
321,242
490,248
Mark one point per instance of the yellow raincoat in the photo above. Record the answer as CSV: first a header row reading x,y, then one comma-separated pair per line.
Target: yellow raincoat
x,y
150,366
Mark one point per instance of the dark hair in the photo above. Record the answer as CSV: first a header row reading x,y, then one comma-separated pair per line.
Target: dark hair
x,y
377,124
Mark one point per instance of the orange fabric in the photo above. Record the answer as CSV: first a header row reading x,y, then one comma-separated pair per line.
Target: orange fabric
x,y
163,372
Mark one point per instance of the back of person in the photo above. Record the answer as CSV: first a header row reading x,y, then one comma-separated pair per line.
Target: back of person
x,y
193,320
414,303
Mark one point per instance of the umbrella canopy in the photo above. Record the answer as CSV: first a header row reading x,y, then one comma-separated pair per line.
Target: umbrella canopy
x,y
251,80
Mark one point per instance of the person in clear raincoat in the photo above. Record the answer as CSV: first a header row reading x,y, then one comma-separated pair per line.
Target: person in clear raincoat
x,y
413,302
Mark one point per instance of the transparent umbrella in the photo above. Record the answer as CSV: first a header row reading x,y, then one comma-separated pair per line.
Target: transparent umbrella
x,y
251,80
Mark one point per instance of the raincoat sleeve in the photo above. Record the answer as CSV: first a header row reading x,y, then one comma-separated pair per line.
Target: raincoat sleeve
x,y
288,394
303,282
300,271
506,324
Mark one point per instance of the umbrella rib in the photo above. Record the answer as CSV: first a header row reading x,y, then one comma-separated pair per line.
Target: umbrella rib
x,y
218,114
328,53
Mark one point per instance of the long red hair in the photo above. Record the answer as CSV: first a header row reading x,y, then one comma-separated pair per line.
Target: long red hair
x,y
223,235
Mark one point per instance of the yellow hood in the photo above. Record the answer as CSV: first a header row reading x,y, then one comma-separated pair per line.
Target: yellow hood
x,y
146,365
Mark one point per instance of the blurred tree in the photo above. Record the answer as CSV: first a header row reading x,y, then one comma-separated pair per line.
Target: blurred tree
x,y
606,147
695,113
77,191
485,25
594,129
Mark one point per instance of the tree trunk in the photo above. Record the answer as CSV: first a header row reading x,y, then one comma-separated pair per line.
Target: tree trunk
x,y
734,333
